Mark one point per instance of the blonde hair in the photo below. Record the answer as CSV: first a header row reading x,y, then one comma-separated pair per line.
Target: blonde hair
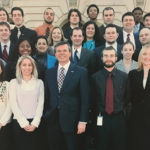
x,y
18,70
50,40
144,48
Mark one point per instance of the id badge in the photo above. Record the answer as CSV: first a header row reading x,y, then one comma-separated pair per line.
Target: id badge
x,y
99,120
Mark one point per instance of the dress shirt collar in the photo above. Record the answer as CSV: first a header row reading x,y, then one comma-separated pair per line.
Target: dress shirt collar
x,y
21,28
106,72
66,67
125,33
79,51
8,46
113,45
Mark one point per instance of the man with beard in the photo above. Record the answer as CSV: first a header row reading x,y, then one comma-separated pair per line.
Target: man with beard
x,y
46,27
109,87
110,35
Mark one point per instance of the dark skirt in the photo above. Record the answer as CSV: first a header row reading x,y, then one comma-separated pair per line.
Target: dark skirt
x,y
24,140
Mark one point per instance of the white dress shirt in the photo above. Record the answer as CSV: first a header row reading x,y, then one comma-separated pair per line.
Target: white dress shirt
x,y
113,45
8,46
78,53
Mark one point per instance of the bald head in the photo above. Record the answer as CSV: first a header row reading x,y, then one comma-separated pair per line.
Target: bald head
x,y
144,36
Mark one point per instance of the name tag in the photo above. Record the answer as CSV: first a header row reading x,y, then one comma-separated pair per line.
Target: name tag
x,y
99,120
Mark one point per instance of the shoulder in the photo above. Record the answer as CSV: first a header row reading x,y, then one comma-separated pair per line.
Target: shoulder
x,y
119,63
13,82
40,82
120,73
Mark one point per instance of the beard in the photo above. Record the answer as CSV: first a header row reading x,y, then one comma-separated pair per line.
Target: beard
x,y
48,22
109,65
110,43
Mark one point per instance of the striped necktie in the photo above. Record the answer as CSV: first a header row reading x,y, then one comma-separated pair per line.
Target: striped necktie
x,y
5,54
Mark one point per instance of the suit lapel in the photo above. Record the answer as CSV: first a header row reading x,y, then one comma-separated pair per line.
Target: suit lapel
x,y
68,77
83,56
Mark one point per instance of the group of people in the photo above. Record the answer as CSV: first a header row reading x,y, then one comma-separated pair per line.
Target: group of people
x,y
79,87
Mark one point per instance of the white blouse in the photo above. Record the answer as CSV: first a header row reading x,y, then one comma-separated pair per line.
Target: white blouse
x,y
27,100
5,111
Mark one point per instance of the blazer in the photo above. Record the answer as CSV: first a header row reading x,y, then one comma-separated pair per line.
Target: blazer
x,y
88,60
99,50
73,100
137,43
11,51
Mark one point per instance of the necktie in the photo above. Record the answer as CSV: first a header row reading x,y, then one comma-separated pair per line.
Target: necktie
x,y
19,33
61,78
76,59
128,37
109,95
5,54
47,32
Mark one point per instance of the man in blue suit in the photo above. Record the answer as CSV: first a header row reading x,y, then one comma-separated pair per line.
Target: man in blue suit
x,y
110,35
128,21
67,100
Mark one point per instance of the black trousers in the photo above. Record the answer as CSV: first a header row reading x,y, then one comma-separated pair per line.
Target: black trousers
x,y
24,140
57,139
6,137
111,135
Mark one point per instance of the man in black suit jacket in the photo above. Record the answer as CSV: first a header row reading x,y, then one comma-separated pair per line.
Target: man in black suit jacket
x,y
20,30
110,35
67,100
5,41
108,18
128,21
85,58
109,88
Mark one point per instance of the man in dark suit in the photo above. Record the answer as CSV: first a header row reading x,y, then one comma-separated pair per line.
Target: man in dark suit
x,y
108,18
67,95
81,56
109,88
20,30
6,46
128,21
110,35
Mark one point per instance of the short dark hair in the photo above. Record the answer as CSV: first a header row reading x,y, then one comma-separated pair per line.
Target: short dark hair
x,y
2,75
111,26
5,24
62,43
92,5
74,10
41,37
17,8
146,15
108,8
128,14
48,8
76,28
109,49
137,8
3,9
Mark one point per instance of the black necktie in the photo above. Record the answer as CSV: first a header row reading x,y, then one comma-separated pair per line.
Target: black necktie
x,y
75,59
47,32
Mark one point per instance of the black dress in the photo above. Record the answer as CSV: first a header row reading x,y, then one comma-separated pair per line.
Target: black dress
x,y
140,113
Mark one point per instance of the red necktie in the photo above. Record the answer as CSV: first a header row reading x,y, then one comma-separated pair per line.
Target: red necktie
x,y
5,54
128,37
109,95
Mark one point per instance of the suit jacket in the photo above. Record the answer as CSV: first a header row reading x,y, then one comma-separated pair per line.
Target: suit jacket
x,y
88,60
137,44
11,51
73,100
25,32
102,31
99,50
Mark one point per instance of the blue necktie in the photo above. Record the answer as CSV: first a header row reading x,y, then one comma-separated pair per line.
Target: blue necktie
x,y
76,59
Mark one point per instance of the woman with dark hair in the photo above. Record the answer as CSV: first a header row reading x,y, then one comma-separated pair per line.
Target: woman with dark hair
x,y
5,112
91,35
43,59
23,47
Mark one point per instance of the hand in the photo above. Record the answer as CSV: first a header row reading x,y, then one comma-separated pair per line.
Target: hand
x,y
1,125
81,127
27,128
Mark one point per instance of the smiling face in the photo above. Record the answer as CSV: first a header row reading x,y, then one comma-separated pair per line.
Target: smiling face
x,y
49,16
127,51
147,22
24,48
90,31
63,54
41,45
56,35
128,23
4,33
93,13
26,67
144,36
145,58
3,16
17,18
